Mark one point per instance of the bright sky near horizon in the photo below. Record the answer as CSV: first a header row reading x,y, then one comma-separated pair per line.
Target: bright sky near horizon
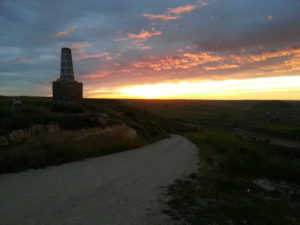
x,y
181,49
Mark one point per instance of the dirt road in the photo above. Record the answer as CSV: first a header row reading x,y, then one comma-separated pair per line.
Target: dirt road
x,y
122,188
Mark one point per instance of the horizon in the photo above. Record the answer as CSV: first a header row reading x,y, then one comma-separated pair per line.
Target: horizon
x,y
180,50
158,99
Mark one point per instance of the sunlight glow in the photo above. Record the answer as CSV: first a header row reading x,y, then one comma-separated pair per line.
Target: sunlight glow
x,y
287,87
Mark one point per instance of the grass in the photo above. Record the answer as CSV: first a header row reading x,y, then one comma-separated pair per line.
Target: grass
x,y
35,110
223,191
280,118
231,185
240,157
40,111
52,152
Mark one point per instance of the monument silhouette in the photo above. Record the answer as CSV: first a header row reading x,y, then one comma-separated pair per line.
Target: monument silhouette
x,y
66,90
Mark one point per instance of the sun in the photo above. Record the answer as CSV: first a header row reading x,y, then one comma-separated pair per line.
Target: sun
x,y
164,90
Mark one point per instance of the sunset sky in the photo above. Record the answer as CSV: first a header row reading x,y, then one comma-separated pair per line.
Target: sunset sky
x,y
190,49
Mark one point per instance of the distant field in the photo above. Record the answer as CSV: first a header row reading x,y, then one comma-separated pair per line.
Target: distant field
x,y
276,118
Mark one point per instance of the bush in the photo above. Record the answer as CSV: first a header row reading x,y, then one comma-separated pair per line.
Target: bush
x,y
239,157
223,192
57,152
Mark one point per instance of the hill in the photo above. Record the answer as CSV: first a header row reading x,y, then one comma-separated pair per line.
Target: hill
x,y
34,134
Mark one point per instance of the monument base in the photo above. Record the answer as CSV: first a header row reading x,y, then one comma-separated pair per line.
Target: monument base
x,y
67,92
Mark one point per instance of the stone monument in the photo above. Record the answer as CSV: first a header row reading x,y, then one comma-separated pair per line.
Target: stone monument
x,y
66,90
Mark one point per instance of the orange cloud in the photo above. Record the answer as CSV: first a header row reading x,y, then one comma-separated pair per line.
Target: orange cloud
x,y
97,75
65,32
264,56
221,67
292,64
182,61
160,16
175,13
187,60
92,56
168,68
182,9
143,35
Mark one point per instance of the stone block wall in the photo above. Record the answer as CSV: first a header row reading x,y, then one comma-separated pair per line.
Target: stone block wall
x,y
67,92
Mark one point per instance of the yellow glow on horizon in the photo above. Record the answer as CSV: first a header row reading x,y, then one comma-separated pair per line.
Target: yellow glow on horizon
x,y
287,87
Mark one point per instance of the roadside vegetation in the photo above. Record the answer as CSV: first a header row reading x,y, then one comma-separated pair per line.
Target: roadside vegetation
x,y
54,152
42,151
249,161
37,110
238,183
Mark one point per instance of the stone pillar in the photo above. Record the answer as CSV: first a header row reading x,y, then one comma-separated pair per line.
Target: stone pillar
x,y
66,68
66,90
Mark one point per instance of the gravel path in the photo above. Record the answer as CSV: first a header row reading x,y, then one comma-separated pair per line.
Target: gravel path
x,y
122,188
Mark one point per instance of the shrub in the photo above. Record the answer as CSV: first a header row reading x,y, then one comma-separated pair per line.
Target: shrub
x,y
239,157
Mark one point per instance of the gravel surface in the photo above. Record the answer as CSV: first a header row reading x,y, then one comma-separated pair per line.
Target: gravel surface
x,y
122,188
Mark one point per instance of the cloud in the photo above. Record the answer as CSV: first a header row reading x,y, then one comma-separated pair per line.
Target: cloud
x,y
182,61
145,47
221,67
186,66
182,9
143,35
200,63
97,75
161,16
263,56
80,51
80,46
93,56
289,65
269,18
19,60
203,4
188,60
175,13
65,32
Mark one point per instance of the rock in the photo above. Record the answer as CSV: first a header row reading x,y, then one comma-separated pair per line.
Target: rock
x,y
3,141
102,122
37,129
17,136
52,128
103,115
131,133
265,184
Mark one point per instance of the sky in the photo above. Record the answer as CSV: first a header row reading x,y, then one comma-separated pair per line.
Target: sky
x,y
182,49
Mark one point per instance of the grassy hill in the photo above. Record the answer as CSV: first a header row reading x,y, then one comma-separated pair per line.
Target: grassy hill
x,y
44,151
